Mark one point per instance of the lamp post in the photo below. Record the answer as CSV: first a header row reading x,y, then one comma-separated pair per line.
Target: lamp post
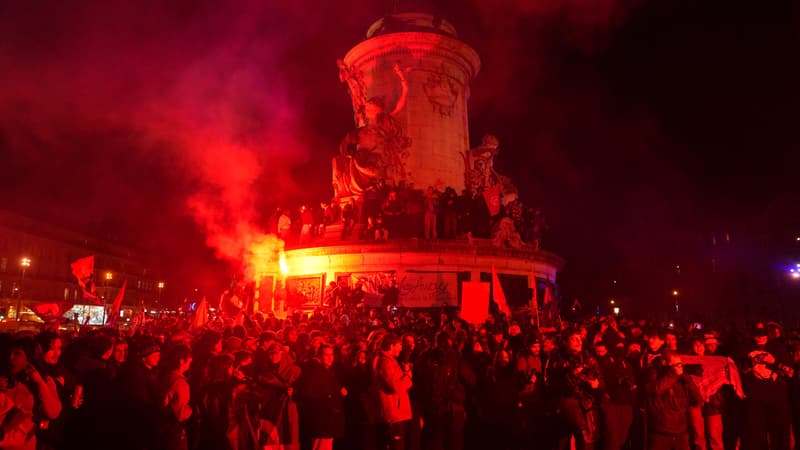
x,y
675,294
24,264
161,286
108,277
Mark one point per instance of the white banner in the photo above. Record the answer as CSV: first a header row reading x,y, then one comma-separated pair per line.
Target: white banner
x,y
428,289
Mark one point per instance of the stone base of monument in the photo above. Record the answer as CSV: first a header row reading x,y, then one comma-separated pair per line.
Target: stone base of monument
x,y
333,232
429,274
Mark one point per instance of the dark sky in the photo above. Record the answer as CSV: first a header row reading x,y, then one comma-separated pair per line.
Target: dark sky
x,y
639,126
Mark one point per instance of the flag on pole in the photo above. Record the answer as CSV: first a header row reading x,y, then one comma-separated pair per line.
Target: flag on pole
x,y
547,295
200,314
83,270
534,301
51,311
548,305
497,293
492,198
113,315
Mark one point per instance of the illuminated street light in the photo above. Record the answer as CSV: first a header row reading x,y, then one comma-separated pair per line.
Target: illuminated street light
x,y
616,310
161,285
24,264
612,301
674,293
109,276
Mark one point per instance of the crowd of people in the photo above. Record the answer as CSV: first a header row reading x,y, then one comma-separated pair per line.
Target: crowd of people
x,y
405,212
385,378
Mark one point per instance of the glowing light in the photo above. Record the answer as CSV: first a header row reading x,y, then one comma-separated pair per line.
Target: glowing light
x,y
25,262
616,310
796,275
109,276
675,293
282,263
612,301
161,285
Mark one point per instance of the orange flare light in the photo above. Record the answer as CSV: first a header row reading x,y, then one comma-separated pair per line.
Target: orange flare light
x,y
282,263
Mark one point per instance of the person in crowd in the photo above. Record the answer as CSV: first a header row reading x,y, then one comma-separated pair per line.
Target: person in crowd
x,y
277,378
321,403
307,221
356,377
442,382
531,395
34,396
392,383
767,410
349,218
576,386
213,405
449,207
284,225
498,404
619,397
669,395
431,212
137,425
174,394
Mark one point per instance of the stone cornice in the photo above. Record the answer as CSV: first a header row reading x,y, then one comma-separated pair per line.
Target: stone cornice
x,y
429,44
479,248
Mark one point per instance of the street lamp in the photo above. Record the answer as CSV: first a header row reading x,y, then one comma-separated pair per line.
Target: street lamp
x,y
675,294
24,264
108,277
160,285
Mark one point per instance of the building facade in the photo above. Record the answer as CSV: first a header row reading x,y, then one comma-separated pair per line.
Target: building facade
x,y
35,260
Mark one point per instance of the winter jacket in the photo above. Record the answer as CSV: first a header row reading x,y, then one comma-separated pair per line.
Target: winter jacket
x,y
320,398
669,397
391,386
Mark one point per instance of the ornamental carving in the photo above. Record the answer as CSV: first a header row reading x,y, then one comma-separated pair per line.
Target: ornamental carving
x,y
442,92
377,149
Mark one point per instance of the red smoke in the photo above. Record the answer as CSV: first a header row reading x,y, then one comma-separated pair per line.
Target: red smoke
x,y
195,89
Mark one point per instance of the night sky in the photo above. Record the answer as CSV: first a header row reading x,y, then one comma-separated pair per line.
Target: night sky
x,y
640,127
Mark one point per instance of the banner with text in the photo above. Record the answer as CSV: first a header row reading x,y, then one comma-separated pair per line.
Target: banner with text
x,y
428,289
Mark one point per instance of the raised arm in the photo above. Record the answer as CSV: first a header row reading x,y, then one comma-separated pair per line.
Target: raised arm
x,y
401,102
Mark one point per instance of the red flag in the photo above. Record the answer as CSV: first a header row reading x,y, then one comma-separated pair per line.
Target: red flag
x,y
113,315
548,298
200,314
534,301
492,198
83,269
497,293
51,311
